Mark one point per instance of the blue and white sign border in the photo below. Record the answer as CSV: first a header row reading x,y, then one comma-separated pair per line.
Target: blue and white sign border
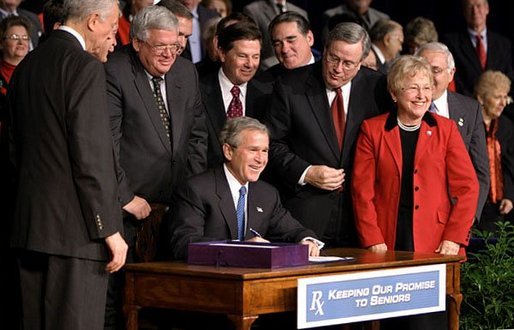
x,y
303,291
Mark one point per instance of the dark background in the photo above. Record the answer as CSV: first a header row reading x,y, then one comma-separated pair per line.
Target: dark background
x,y
446,14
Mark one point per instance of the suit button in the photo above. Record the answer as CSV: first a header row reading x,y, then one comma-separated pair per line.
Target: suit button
x,y
416,188
416,207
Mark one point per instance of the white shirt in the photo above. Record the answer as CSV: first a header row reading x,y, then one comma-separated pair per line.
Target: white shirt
x,y
226,85
378,52
473,37
234,186
442,105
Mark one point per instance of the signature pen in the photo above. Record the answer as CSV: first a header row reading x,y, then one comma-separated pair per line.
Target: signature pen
x,y
255,232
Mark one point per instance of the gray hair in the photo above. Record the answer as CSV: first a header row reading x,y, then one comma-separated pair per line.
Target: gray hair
x,y
438,48
78,10
152,18
351,33
177,8
231,132
381,28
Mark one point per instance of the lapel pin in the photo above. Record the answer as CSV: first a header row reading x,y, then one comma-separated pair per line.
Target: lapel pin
x,y
429,133
461,122
259,209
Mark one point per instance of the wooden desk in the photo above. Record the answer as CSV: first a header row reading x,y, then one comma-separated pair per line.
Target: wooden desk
x,y
238,292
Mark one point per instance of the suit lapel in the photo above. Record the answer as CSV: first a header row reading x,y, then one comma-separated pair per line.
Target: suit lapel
x,y
269,11
226,203
392,139
214,104
426,134
456,111
145,91
253,220
469,51
317,97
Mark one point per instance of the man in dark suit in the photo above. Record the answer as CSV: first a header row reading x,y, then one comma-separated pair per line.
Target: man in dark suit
x,y
465,111
157,145
263,12
11,7
185,24
463,45
201,16
239,51
313,163
229,201
67,223
292,39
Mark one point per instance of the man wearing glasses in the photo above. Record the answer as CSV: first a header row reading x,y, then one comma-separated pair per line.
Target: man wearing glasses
x,y
314,119
158,126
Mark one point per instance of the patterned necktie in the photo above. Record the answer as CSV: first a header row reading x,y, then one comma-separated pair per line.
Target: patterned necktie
x,y
240,213
480,48
160,105
338,116
235,108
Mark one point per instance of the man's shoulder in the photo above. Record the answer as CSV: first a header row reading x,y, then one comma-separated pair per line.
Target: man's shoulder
x,y
183,66
466,102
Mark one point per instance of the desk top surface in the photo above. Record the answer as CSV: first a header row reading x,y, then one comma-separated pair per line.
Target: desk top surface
x,y
364,260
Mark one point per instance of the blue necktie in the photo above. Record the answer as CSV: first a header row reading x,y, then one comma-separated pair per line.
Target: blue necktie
x,y
240,212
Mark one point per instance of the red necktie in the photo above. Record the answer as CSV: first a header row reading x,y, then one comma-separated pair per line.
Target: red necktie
x,y
337,109
235,108
480,48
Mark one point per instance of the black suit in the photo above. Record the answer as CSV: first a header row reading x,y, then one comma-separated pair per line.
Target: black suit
x,y
205,211
257,98
499,57
66,189
303,134
467,114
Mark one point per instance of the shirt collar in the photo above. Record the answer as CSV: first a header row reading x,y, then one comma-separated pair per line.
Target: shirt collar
x,y
226,84
74,33
233,184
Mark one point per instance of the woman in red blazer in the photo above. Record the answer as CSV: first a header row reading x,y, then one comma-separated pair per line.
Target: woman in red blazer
x,y
413,186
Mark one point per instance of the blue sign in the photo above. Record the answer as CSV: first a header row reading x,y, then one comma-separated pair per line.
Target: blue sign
x,y
371,295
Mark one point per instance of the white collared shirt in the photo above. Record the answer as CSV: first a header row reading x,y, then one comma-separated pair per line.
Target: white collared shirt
x,y
441,105
74,33
195,39
380,55
226,85
234,186
162,86
345,89
473,37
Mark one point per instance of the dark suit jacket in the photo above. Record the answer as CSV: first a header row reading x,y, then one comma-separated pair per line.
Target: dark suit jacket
x,y
36,29
205,211
303,134
67,190
499,57
467,114
148,165
505,136
257,98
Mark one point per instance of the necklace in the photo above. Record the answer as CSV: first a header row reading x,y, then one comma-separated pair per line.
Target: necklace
x,y
408,128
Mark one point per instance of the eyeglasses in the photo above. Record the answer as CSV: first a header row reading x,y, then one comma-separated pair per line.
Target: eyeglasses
x,y
335,61
17,37
437,70
160,49
415,89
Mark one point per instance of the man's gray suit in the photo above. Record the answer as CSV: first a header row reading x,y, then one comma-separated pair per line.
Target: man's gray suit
x,y
467,114
148,166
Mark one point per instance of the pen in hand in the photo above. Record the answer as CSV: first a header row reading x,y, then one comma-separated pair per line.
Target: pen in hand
x,y
255,232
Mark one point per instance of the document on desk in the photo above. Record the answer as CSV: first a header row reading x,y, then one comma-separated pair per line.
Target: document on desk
x,y
330,259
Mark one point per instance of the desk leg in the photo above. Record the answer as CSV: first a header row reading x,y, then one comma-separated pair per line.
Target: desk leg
x,y
131,317
243,322
455,300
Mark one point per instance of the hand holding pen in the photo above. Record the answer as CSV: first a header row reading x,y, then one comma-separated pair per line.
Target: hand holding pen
x,y
257,236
